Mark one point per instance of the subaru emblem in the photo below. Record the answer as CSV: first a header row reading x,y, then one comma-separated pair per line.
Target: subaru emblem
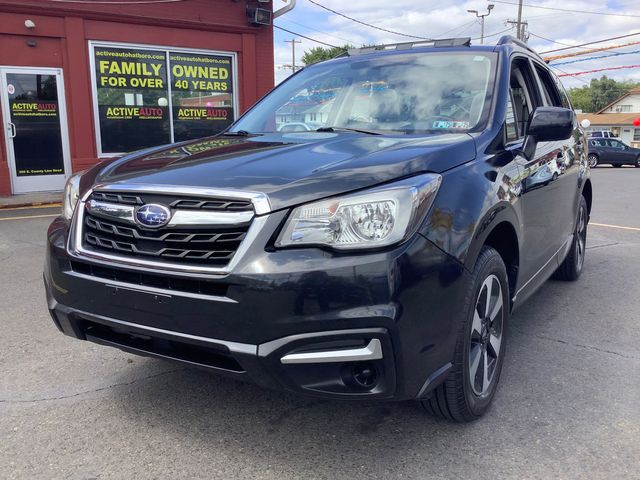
x,y
153,215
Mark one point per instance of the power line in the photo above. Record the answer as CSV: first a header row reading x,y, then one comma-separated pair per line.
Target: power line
x,y
588,43
591,50
350,42
494,34
464,26
554,41
621,67
308,38
568,74
367,24
597,57
590,12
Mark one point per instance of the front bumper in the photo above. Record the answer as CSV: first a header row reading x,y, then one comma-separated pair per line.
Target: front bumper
x,y
375,325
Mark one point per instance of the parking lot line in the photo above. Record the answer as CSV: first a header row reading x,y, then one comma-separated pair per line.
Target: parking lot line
x,y
606,225
28,216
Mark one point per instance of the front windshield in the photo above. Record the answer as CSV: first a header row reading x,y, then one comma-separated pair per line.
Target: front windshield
x,y
404,93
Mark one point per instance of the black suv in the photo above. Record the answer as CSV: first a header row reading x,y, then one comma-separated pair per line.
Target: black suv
x,y
613,152
364,231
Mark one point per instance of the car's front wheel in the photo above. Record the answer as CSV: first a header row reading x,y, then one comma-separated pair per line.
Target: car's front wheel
x,y
480,345
637,164
593,160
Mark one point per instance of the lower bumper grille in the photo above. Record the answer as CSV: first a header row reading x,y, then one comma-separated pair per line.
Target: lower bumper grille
x,y
177,284
171,349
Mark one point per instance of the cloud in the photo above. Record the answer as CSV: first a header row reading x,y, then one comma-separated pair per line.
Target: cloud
x,y
434,18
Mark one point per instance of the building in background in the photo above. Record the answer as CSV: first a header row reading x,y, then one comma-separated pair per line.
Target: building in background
x,y
81,81
618,118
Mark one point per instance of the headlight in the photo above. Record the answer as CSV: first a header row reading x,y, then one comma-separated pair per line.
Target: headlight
x,y
373,218
71,194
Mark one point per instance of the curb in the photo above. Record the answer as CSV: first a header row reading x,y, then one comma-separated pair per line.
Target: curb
x,y
9,206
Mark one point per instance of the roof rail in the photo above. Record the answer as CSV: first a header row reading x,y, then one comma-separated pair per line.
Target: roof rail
x,y
506,39
435,43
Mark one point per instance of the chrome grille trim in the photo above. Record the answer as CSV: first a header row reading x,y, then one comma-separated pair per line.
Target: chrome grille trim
x,y
260,203
180,217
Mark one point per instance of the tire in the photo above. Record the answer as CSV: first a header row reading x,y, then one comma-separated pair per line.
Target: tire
x,y
637,164
464,397
593,160
571,268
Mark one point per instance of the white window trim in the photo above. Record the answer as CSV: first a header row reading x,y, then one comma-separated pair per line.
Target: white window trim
x,y
166,49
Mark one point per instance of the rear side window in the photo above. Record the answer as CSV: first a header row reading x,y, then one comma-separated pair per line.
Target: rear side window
x,y
549,88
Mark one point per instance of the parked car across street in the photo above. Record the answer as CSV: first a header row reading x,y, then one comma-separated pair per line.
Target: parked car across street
x,y
613,152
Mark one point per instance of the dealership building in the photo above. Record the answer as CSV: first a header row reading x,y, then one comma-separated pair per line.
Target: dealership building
x,y
83,80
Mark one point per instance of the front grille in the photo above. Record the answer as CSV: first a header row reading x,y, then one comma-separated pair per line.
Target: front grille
x,y
203,245
199,203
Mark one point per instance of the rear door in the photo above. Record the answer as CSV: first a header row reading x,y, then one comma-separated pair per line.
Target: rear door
x,y
565,188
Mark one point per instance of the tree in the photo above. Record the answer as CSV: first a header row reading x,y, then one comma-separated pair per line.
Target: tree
x,y
320,54
599,93
581,98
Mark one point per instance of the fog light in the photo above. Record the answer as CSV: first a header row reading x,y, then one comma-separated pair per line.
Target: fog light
x,y
364,375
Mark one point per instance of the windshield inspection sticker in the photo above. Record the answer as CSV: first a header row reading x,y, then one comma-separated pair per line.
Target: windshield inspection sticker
x,y
11,89
450,124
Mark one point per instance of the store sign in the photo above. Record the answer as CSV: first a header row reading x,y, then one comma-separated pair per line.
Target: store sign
x,y
130,84
140,93
201,87
38,139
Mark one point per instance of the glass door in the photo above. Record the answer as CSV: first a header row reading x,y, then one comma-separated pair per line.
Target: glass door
x,y
35,124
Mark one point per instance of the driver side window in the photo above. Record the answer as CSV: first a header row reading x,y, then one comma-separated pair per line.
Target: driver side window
x,y
522,100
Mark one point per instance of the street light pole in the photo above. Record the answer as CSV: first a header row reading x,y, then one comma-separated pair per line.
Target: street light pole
x,y
481,17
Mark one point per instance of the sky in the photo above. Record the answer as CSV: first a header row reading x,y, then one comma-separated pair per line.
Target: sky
x,y
441,19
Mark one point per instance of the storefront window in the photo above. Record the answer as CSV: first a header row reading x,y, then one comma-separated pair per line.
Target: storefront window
x,y
132,92
148,97
201,93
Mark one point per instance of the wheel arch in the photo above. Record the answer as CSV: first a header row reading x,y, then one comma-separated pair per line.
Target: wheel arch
x,y
499,230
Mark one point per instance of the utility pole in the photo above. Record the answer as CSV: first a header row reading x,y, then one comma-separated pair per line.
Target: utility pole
x,y
520,25
481,17
293,42
519,30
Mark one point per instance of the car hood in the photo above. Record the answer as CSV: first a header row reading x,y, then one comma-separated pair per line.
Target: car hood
x,y
291,168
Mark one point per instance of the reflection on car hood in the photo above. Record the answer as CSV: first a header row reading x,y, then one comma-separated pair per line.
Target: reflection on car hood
x,y
291,168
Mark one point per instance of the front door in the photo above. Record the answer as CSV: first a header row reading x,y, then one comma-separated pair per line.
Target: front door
x,y
35,125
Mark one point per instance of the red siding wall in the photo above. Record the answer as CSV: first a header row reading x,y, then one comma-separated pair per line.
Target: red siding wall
x,y
63,30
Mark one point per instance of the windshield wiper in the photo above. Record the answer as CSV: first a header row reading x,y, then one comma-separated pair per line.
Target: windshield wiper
x,y
239,133
345,129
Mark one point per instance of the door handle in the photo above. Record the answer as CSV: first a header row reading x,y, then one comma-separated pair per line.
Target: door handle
x,y
12,130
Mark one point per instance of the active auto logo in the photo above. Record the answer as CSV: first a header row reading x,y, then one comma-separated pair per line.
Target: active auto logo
x,y
153,215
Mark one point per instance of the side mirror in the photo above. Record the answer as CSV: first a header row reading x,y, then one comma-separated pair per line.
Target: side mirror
x,y
548,124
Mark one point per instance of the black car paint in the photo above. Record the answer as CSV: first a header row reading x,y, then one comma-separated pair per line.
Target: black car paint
x,y
490,193
608,154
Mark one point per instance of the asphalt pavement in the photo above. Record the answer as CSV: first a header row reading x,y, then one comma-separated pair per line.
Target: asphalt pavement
x,y
568,405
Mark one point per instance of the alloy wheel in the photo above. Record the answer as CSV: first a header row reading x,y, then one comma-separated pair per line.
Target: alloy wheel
x,y
593,161
486,336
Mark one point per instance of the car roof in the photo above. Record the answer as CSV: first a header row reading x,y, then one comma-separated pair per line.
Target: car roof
x,y
507,44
